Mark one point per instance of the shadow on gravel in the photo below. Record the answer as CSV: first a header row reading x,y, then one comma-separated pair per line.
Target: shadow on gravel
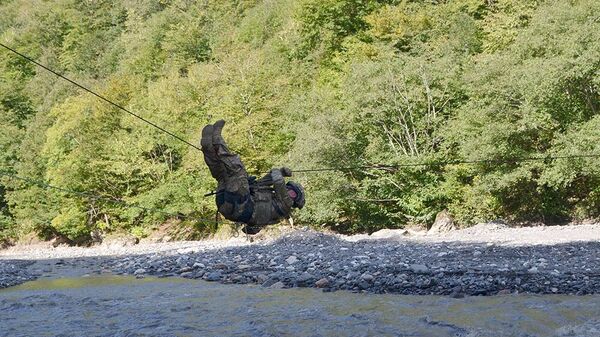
x,y
310,259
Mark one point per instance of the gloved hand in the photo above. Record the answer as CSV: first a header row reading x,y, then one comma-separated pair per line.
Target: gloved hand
x,y
276,175
286,171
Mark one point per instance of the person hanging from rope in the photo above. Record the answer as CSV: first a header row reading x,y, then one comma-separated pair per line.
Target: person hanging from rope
x,y
243,198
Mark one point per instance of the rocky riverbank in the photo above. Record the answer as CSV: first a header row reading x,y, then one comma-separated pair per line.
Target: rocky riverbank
x,y
15,272
485,260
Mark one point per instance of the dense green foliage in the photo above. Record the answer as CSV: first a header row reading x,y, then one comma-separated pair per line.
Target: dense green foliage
x,y
306,83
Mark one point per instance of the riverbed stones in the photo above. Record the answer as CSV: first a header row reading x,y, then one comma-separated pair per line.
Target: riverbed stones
x,y
423,265
373,267
15,272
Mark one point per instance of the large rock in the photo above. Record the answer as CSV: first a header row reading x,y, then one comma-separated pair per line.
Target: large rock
x,y
444,222
389,234
322,283
61,241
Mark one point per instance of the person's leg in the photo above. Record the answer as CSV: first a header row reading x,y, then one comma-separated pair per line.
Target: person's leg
x,y
217,170
233,197
232,161
236,175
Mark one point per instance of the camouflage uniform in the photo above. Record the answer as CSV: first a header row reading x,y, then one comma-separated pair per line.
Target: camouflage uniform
x,y
240,197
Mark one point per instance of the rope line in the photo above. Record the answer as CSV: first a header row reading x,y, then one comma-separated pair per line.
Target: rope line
x,y
383,167
99,197
45,185
448,162
101,97
378,167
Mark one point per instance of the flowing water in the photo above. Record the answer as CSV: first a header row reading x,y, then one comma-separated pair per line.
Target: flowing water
x,y
125,306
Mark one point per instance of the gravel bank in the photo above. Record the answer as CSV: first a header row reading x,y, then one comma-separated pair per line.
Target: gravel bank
x,y
483,260
15,272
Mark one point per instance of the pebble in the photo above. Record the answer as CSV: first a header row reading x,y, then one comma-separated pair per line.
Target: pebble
x,y
304,278
419,268
213,276
322,283
367,277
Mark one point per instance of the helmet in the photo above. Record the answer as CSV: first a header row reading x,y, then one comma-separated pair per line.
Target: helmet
x,y
299,199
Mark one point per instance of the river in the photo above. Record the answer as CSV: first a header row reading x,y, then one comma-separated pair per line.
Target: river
x,y
126,306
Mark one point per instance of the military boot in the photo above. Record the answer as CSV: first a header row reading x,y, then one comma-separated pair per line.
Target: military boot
x,y
206,142
218,127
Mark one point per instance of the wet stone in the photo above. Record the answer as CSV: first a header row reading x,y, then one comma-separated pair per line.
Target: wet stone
x,y
419,268
213,276
139,271
269,282
322,283
304,279
277,285
367,277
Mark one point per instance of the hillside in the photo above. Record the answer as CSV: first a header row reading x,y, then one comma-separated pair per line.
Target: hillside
x,y
468,87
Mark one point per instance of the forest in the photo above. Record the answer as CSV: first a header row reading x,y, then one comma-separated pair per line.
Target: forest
x,y
450,97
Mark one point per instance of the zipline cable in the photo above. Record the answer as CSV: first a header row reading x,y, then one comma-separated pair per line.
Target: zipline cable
x,y
99,197
123,203
101,97
395,167
378,167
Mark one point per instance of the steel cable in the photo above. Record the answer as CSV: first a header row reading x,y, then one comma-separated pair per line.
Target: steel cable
x,y
390,168
102,97
99,197
396,167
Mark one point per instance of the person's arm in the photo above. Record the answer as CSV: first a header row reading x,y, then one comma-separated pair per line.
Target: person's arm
x,y
267,180
280,189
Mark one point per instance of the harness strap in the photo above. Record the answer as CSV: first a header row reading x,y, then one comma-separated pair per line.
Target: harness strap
x,y
278,209
237,200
